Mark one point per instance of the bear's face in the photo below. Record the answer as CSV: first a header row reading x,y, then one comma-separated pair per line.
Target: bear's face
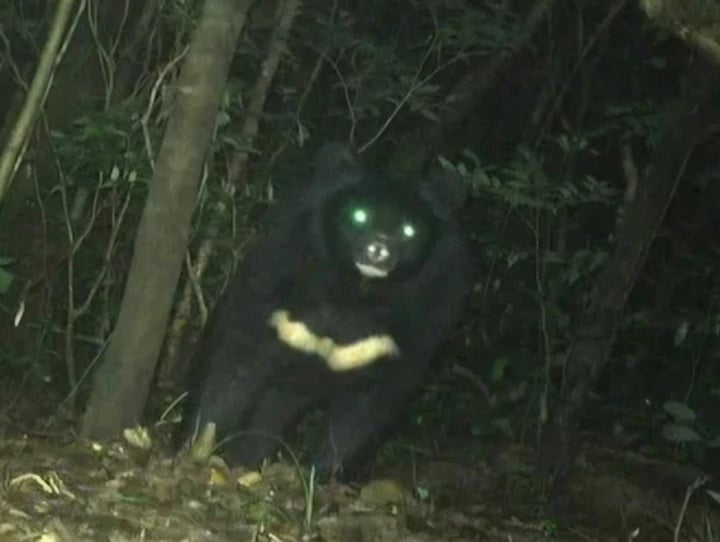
x,y
379,232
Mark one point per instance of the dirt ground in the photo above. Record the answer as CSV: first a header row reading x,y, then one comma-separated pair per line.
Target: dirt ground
x,y
57,488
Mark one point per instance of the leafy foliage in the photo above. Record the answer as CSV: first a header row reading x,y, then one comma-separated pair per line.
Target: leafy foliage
x,y
540,149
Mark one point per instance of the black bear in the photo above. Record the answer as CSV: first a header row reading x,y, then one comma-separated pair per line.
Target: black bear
x,y
341,303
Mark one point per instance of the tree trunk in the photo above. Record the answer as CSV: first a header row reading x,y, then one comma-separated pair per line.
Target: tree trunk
x,y
122,382
174,368
18,138
412,155
597,326
695,21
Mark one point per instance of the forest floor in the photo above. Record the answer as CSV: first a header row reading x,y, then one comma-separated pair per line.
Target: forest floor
x,y
57,488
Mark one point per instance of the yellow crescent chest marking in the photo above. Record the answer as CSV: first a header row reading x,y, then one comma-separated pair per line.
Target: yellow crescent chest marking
x,y
339,357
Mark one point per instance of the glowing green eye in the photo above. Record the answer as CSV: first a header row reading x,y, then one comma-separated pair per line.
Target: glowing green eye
x,y
360,216
408,230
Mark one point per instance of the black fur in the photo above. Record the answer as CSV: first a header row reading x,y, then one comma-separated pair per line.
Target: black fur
x,y
250,383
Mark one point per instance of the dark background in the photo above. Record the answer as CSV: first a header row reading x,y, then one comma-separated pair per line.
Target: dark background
x,y
557,125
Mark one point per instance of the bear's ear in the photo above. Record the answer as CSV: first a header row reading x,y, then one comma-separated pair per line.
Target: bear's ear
x,y
334,161
445,192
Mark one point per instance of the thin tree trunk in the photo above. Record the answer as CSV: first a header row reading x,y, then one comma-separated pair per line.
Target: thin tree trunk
x,y
596,331
413,154
695,21
50,57
123,381
174,368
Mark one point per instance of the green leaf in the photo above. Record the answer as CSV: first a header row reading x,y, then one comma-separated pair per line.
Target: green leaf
x,y
498,369
6,279
679,412
679,433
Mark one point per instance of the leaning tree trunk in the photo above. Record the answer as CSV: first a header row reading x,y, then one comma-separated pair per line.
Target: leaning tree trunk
x,y
51,55
695,21
413,154
595,335
173,369
122,383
